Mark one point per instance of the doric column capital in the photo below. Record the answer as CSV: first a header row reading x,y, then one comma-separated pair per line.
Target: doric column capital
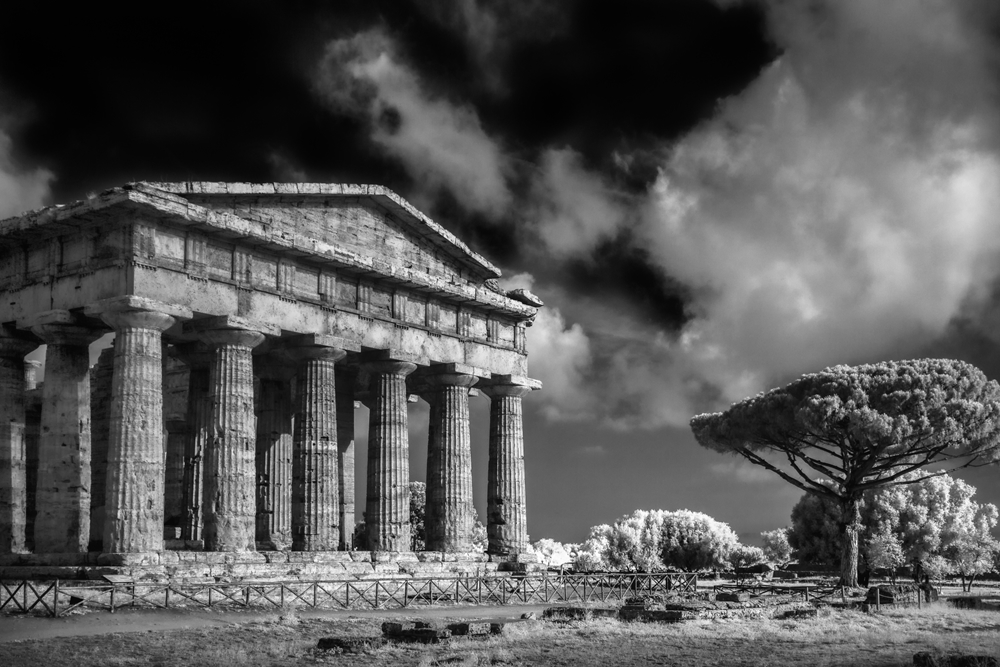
x,y
390,367
239,337
231,330
61,327
495,390
134,312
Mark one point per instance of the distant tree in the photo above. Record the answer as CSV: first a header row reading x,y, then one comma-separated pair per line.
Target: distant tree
x,y
634,542
418,515
814,535
592,554
480,540
916,522
694,541
883,550
862,427
744,555
777,550
551,553
970,547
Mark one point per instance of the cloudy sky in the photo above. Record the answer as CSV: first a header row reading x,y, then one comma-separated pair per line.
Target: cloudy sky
x,y
711,196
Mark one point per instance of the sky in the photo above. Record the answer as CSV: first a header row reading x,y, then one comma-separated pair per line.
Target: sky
x,y
711,197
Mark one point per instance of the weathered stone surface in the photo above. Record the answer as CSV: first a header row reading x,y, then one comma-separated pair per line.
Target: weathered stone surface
x,y
506,525
732,597
230,506
315,492
13,452
274,451
469,629
134,493
449,510
198,358
388,495
350,644
62,523
101,386
345,380
353,262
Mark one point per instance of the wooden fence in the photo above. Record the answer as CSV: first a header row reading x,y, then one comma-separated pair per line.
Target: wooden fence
x,y
56,598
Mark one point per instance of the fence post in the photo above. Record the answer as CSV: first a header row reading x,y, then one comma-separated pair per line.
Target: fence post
x,y
55,600
878,599
113,587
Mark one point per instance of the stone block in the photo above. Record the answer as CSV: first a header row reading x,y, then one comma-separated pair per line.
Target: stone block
x,y
397,627
430,556
469,629
732,597
129,559
898,594
361,556
497,628
798,613
967,602
350,644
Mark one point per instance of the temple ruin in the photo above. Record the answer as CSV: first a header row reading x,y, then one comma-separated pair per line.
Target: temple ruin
x,y
217,435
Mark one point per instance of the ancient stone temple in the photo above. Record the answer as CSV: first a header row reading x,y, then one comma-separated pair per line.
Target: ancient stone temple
x,y
249,322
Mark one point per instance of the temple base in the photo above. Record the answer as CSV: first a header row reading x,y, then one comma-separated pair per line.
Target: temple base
x,y
268,566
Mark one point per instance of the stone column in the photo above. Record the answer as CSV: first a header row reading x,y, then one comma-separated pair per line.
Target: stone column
x,y
173,484
133,518
448,519
62,522
13,453
101,381
230,505
387,513
198,358
345,454
274,451
32,435
315,493
506,514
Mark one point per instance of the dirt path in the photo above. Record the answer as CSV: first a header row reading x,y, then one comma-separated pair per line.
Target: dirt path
x,y
19,628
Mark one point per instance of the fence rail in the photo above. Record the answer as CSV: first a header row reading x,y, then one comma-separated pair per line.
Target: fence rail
x,y
59,597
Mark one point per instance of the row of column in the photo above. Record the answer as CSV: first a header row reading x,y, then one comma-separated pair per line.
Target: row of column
x,y
228,447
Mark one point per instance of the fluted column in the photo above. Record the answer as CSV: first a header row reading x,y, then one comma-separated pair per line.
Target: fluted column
x,y
448,519
198,358
315,493
506,510
13,453
101,381
173,485
62,522
387,513
230,508
274,451
345,454
134,496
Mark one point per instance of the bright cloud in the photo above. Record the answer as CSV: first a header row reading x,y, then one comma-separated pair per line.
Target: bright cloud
x,y
442,144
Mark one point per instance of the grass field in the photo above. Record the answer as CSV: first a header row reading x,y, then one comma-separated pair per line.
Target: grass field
x,y
832,638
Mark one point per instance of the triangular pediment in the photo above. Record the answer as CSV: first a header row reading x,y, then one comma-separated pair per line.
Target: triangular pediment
x,y
364,220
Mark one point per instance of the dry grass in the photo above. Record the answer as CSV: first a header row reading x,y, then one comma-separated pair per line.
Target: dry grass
x,y
833,638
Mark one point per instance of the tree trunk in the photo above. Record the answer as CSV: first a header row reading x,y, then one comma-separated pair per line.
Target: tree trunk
x,y
850,534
